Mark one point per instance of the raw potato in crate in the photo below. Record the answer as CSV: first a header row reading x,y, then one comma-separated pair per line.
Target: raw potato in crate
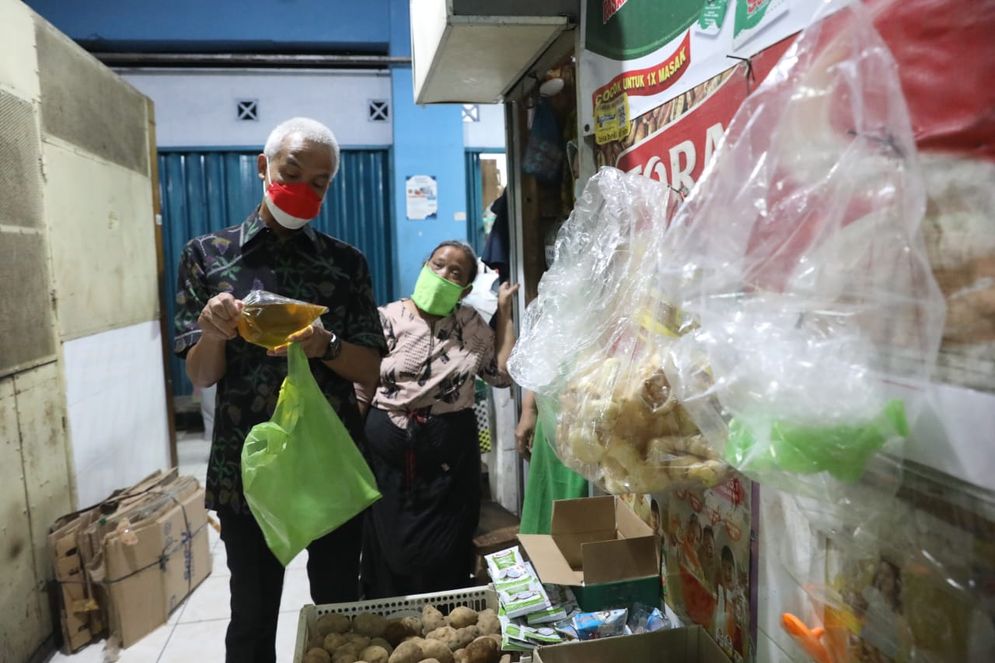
x,y
595,343
371,638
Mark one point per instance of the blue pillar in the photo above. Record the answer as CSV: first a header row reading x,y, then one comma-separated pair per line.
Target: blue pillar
x,y
428,140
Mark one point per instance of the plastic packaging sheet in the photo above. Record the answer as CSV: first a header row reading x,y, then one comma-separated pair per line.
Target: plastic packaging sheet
x,y
595,341
800,256
787,318
908,579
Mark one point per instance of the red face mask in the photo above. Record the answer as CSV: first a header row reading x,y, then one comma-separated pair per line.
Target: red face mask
x,y
292,205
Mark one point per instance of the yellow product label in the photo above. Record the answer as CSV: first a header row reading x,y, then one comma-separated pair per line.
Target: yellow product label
x,y
612,120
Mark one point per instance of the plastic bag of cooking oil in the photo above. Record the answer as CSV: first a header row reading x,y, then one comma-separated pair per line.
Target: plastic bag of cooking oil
x,y
270,320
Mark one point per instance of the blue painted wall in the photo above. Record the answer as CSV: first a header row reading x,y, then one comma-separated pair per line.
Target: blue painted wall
x,y
428,140
361,26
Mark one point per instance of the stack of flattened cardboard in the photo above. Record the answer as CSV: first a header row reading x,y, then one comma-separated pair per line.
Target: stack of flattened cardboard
x,y
128,562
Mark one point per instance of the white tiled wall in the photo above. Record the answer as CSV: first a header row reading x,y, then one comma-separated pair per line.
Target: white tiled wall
x,y
115,392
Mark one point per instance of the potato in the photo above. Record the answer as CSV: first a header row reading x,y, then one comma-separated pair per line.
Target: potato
x,y
432,619
465,636
344,656
488,622
333,641
360,641
374,654
350,648
397,631
483,650
446,634
462,617
429,660
380,642
332,623
493,636
406,652
438,650
459,656
369,625
317,655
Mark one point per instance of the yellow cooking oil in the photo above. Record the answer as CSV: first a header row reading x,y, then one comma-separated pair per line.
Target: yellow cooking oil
x,y
271,324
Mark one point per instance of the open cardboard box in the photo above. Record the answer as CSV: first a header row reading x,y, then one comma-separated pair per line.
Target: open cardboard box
x,y
679,645
602,550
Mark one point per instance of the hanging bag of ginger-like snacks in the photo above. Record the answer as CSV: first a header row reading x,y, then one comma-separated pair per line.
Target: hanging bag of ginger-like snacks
x,y
595,344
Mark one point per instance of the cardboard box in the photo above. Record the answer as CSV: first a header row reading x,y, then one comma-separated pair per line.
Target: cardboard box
x,y
602,550
149,577
679,645
131,560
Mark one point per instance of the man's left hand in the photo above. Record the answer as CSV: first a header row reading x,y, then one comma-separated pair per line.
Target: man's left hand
x,y
314,341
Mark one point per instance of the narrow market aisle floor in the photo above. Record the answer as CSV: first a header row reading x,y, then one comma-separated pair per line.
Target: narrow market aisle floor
x,y
196,630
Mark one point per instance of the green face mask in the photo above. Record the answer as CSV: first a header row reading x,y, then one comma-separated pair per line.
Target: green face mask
x,y
435,295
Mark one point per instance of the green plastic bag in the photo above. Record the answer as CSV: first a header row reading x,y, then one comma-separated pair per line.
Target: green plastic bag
x,y
302,474
842,450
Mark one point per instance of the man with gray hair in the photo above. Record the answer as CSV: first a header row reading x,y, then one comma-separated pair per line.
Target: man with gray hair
x,y
276,249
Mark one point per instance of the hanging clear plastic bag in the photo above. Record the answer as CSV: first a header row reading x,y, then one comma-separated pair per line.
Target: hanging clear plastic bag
x,y
270,320
799,257
595,341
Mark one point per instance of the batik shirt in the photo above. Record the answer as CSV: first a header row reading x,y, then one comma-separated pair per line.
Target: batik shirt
x,y
309,266
432,367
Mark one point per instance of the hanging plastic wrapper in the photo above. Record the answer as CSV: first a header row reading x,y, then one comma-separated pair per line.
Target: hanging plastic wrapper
x,y
270,320
799,256
904,579
594,344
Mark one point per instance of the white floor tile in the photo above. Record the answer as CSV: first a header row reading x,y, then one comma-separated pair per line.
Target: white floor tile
x,y
286,637
148,649
213,536
192,450
220,563
175,617
212,600
203,642
296,591
299,562
92,653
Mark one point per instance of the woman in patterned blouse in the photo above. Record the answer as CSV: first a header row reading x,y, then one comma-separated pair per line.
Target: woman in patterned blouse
x,y
421,430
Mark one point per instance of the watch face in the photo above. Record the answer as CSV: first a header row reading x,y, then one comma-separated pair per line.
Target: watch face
x,y
334,348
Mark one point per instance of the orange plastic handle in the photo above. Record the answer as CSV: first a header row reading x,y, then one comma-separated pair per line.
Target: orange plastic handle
x,y
810,639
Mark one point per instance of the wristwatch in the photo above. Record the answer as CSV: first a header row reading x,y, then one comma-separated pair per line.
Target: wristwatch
x,y
334,348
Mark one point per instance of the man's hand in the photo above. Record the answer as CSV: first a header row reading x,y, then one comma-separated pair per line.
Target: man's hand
x,y
314,341
525,432
506,298
219,319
